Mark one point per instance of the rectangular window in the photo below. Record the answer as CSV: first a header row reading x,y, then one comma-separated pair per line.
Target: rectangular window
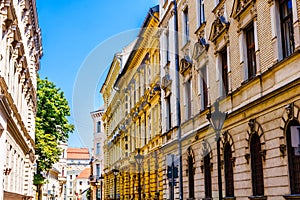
x,y
185,26
203,87
201,15
168,113
80,182
98,150
251,58
167,46
98,170
287,31
149,126
188,99
224,70
99,127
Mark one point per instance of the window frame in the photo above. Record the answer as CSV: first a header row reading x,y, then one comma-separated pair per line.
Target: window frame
x,y
201,12
168,113
289,20
98,150
256,166
191,179
224,72
294,173
167,35
203,87
99,128
228,171
207,176
185,20
188,98
250,46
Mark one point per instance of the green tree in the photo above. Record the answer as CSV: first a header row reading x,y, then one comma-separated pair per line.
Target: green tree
x,y
52,127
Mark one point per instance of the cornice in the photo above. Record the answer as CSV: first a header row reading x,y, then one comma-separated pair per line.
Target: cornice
x,y
14,110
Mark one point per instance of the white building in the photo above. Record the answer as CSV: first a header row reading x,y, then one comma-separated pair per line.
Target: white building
x,y
56,178
81,184
20,52
77,160
99,137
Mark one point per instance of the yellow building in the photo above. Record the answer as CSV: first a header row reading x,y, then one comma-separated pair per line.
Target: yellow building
x,y
228,104
131,93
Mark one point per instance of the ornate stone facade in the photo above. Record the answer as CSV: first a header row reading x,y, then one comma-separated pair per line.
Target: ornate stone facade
x,y
242,42
132,119
20,52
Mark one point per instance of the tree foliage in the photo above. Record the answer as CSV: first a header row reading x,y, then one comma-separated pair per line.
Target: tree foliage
x,y
52,126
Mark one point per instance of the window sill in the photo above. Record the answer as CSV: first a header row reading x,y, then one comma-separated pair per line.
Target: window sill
x,y
185,45
257,198
245,82
201,27
292,196
218,6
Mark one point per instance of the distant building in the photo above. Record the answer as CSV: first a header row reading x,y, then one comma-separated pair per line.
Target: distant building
x,y
20,53
81,184
98,154
56,177
77,160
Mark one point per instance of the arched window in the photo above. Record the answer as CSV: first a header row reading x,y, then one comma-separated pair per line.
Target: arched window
x,y
256,166
207,176
228,171
191,174
294,161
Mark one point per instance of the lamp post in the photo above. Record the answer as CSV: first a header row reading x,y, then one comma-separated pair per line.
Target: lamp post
x,y
216,119
139,160
101,185
115,172
177,96
53,187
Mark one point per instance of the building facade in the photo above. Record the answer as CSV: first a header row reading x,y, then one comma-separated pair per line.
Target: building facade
x,y
241,58
81,184
56,178
131,117
20,52
98,153
77,160
229,99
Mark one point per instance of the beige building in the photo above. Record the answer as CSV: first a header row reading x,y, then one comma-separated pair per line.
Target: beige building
x,y
20,52
244,55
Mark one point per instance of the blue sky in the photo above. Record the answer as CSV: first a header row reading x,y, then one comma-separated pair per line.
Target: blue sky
x,y
79,40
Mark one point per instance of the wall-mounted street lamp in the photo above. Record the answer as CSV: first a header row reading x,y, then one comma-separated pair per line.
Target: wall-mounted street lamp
x,y
216,119
139,160
115,172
